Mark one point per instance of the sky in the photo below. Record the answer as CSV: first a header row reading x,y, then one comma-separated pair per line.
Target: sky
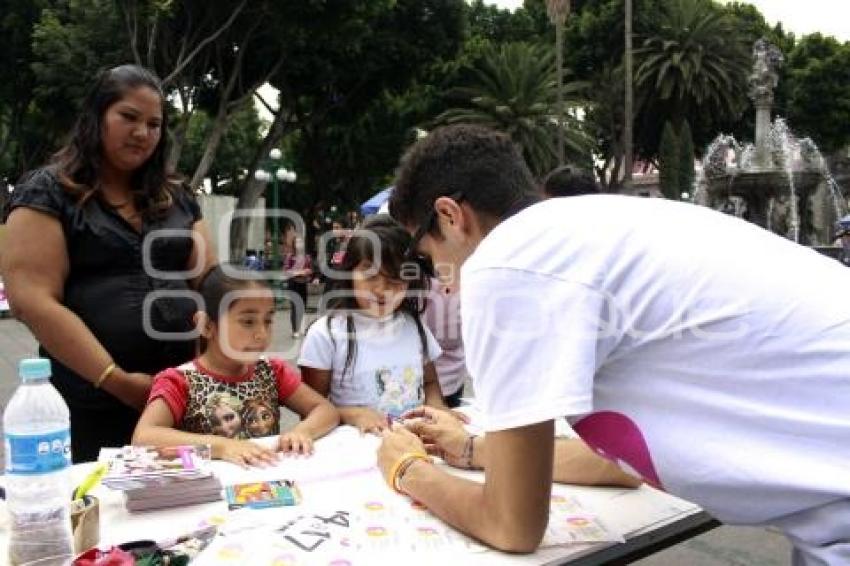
x,y
830,17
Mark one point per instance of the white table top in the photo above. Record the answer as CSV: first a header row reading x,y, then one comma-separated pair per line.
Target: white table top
x,y
342,474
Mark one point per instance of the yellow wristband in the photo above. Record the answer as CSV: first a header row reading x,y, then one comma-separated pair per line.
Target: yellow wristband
x,y
103,376
401,466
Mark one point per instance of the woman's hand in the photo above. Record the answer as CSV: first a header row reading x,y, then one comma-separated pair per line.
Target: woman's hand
x,y
296,442
441,432
132,389
244,452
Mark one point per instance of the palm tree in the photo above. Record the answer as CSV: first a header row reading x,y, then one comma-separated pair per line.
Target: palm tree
x,y
628,102
513,89
697,60
558,11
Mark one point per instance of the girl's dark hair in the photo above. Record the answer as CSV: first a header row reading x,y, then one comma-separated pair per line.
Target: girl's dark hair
x,y
216,284
394,241
78,163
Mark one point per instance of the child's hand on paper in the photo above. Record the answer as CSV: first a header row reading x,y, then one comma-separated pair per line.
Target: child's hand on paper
x,y
245,453
365,419
296,442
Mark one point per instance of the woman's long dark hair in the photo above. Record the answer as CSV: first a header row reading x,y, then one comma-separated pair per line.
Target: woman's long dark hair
x,y
394,241
79,163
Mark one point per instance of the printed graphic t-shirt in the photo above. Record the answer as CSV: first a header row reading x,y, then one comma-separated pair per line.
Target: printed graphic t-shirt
x,y
708,355
242,407
387,371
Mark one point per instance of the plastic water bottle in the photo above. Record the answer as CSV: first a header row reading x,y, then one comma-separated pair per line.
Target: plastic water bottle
x,y
36,426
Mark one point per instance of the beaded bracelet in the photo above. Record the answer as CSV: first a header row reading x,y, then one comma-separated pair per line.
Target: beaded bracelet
x,y
468,450
401,465
103,376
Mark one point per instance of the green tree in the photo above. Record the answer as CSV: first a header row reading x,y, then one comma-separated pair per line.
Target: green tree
x,y
340,63
818,99
694,67
686,159
512,89
558,11
594,52
181,41
236,149
17,82
498,25
669,163
71,42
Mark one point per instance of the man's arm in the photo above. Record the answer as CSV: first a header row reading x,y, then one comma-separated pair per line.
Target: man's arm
x,y
577,464
510,510
574,461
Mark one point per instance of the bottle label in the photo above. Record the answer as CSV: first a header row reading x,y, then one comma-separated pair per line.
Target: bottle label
x,y
32,454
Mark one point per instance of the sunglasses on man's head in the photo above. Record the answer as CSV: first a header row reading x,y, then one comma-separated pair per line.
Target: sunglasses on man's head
x,y
412,253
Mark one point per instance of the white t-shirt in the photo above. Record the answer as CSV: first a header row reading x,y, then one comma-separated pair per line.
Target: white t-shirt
x,y
387,372
703,352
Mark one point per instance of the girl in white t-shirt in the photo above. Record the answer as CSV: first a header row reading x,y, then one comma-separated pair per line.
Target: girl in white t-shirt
x,y
371,354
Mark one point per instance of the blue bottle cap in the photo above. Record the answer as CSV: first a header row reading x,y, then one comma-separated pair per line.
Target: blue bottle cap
x,y
34,368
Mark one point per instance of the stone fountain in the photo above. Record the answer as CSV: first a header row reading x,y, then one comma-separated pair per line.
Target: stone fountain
x,y
780,182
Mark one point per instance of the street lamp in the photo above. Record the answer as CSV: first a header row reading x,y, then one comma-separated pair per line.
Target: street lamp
x,y
271,171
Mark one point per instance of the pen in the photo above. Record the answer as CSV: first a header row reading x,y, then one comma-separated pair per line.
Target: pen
x,y
391,419
90,481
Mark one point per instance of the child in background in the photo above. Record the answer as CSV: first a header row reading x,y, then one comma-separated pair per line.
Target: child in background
x,y
371,353
231,393
298,267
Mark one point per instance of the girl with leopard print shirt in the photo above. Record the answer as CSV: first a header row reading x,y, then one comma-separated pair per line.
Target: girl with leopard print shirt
x,y
231,393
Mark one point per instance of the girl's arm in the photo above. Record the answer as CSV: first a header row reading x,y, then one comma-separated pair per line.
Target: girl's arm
x,y
318,379
156,428
35,266
433,394
318,415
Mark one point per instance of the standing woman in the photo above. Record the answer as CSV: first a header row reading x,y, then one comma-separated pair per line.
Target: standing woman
x,y
298,267
77,233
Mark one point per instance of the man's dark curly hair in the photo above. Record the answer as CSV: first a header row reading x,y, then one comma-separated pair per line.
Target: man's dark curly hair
x,y
570,181
483,165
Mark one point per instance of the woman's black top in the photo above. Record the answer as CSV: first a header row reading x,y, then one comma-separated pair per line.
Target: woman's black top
x,y
110,287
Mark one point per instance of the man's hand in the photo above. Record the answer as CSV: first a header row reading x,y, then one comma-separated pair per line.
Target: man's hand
x,y
441,432
396,442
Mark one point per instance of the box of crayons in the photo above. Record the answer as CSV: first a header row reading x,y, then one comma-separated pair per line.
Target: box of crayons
x,y
259,495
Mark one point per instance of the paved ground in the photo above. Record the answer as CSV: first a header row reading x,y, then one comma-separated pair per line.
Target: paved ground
x,y
726,546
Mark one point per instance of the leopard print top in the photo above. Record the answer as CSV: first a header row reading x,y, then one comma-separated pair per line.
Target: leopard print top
x,y
248,409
